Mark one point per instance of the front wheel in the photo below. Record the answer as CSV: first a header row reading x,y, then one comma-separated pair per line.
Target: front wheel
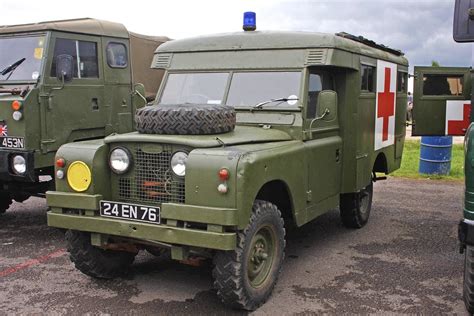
x,y
468,284
245,277
355,207
5,202
94,261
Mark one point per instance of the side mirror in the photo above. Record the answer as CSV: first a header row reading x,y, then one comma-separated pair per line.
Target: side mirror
x,y
64,68
327,106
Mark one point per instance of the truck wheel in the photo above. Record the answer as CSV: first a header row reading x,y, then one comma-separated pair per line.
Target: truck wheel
x,y
5,202
185,119
93,261
245,277
355,207
468,286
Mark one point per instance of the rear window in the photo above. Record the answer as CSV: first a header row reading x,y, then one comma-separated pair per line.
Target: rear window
x,y
443,84
367,77
117,55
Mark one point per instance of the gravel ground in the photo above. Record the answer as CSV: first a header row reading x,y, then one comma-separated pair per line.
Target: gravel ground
x,y
404,261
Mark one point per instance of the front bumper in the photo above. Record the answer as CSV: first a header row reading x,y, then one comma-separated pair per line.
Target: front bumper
x,y
6,173
213,236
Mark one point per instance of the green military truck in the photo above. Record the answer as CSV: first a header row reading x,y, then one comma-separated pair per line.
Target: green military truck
x,y
61,82
251,132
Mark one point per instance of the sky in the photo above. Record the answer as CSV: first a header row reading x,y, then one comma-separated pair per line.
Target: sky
x,y
422,29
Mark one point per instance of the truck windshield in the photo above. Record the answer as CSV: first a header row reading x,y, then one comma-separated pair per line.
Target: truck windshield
x,y
248,89
13,49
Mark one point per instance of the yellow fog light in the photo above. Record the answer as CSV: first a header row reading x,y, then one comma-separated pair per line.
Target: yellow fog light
x,y
79,176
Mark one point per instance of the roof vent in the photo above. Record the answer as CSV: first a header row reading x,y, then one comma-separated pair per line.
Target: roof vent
x,y
315,57
162,61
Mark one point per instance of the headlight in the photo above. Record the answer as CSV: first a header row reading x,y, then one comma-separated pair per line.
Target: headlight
x,y
178,163
19,164
120,160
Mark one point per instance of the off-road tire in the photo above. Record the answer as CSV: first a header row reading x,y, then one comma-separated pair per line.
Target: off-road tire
x,y
93,261
468,284
5,202
231,277
185,119
355,207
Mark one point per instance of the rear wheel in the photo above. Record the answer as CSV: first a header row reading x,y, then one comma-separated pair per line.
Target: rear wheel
x,y
355,207
245,277
468,286
94,261
5,202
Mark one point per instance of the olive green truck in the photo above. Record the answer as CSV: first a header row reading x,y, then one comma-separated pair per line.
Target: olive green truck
x,y
251,132
61,82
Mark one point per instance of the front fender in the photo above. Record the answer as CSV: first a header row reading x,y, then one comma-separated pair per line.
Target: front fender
x,y
94,153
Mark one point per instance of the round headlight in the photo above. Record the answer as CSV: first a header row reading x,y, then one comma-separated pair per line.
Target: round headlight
x,y
119,160
178,163
19,164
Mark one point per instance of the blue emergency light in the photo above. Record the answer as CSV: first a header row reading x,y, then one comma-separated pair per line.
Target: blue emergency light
x,y
250,21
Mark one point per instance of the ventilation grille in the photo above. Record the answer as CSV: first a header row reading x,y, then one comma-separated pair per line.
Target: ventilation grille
x,y
316,57
151,179
161,60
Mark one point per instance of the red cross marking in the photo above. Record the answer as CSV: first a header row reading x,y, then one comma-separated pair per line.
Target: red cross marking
x,y
459,127
386,105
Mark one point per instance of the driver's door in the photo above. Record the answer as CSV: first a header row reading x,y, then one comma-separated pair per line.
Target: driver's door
x,y
441,101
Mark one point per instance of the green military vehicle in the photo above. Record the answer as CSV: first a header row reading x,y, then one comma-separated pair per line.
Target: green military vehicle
x,y
250,133
62,82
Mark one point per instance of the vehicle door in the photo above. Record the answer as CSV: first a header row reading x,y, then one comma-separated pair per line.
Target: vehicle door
x,y
73,110
323,145
441,101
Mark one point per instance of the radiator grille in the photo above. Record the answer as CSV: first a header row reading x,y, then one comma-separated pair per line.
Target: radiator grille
x,y
151,179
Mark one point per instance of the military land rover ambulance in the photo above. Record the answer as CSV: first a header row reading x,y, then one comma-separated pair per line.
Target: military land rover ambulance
x,y
61,82
251,132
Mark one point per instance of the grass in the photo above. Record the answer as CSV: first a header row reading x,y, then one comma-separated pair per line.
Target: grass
x,y
411,160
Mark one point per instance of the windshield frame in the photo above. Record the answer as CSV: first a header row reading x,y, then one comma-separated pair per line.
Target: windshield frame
x,y
43,63
296,108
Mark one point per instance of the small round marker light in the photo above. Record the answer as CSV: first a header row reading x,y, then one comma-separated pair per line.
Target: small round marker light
x,y
60,174
17,115
222,188
250,21
60,163
16,105
224,174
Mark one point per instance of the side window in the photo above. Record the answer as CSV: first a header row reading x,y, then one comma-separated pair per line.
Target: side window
x,y
117,55
402,81
318,81
84,54
442,84
367,78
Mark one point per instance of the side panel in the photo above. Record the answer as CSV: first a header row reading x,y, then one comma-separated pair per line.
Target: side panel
x,y
441,102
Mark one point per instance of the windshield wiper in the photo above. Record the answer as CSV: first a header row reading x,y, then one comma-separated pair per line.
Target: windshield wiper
x,y
12,67
261,104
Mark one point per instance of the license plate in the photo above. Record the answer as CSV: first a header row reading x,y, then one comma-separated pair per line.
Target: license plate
x,y
12,142
133,212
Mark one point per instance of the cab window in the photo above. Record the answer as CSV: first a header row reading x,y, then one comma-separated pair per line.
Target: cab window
x,y
434,84
318,81
117,55
84,54
367,78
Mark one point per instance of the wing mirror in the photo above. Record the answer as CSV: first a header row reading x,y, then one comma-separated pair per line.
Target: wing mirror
x,y
326,107
64,68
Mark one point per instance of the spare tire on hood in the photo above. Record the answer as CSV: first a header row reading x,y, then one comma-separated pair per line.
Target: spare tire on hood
x,y
195,119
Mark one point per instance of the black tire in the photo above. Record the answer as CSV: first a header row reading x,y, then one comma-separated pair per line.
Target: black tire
x,y
5,202
185,119
236,285
21,197
468,284
93,261
355,207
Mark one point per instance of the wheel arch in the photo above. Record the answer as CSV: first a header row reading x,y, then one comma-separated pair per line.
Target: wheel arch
x,y
380,164
278,193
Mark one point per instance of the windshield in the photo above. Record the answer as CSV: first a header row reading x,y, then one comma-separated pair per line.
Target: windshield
x,y
13,50
247,89
202,88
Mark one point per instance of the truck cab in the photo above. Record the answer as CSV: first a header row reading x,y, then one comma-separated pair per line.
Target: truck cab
x,y
251,132
44,105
